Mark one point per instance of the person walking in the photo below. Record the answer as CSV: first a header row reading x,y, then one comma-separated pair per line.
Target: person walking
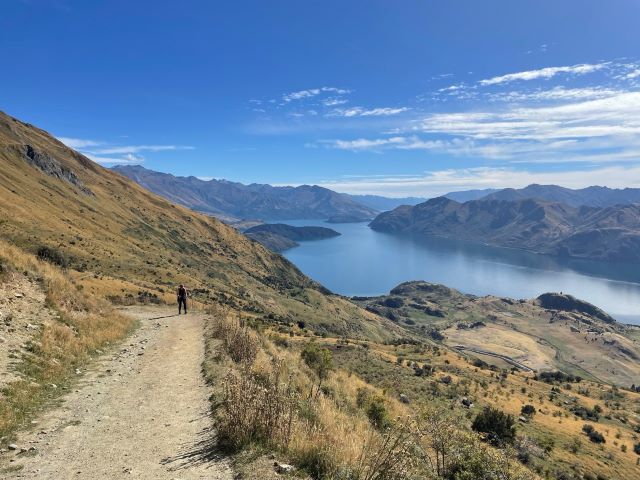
x,y
182,299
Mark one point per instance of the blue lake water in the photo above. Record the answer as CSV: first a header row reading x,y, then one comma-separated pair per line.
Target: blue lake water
x,y
364,262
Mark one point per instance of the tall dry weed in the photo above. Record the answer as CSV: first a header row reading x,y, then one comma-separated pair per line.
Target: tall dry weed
x,y
238,340
256,409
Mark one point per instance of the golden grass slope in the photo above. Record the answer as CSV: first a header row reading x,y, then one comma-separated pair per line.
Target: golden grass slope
x,y
72,325
121,234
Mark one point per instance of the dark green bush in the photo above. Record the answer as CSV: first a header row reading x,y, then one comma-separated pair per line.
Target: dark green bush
x,y
378,414
596,437
498,426
51,255
528,410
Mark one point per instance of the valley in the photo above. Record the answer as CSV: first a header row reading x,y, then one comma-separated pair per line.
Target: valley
x,y
96,258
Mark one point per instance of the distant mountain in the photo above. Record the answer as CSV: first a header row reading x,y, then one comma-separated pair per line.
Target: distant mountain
x,y
467,195
230,200
590,196
382,204
611,233
279,237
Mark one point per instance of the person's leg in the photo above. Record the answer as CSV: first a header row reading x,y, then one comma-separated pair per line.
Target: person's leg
x,y
185,306
179,306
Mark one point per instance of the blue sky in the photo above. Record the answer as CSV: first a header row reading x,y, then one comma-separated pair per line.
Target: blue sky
x,y
390,97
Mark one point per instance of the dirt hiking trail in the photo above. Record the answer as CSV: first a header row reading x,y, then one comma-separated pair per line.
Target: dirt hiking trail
x,y
140,412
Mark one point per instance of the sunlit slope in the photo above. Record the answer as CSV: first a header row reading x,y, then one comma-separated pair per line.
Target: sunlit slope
x,y
125,239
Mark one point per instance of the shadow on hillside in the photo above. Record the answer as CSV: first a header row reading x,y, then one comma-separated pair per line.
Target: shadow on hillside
x,y
203,452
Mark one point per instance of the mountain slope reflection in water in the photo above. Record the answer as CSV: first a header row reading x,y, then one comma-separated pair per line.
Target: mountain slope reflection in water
x,y
364,262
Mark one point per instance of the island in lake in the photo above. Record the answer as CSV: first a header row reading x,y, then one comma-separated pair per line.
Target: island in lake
x,y
279,236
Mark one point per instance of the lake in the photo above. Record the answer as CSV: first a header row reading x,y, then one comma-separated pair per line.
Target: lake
x,y
367,263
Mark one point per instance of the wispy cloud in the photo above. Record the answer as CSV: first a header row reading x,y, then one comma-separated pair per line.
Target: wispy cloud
x,y
128,159
546,73
312,92
632,74
333,101
617,114
601,130
78,143
363,112
114,150
102,152
364,143
551,94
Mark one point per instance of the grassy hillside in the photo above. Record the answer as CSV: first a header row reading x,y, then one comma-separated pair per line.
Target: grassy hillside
x,y
578,338
49,328
127,243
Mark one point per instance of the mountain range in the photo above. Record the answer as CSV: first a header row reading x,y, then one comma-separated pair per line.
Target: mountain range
x,y
611,233
593,196
467,195
382,204
232,201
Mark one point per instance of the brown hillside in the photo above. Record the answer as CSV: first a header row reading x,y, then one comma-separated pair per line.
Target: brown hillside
x,y
128,242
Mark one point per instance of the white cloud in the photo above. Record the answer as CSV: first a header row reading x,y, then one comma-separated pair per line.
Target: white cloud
x,y
631,75
546,73
101,152
363,112
77,143
333,101
602,130
129,159
618,114
363,143
452,88
125,149
556,93
312,92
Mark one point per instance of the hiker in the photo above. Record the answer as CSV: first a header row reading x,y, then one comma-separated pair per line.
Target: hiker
x,y
182,299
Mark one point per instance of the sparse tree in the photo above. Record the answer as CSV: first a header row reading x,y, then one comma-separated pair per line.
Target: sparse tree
x,y
318,359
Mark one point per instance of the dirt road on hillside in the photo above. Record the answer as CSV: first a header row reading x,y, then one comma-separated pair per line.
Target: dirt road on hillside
x,y
140,412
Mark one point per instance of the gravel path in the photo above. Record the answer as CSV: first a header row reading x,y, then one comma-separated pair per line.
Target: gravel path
x,y
140,412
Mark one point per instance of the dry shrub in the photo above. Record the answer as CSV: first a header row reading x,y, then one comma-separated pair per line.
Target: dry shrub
x,y
256,409
327,441
264,404
394,455
240,342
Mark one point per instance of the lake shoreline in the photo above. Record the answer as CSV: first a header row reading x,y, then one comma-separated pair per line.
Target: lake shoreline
x,y
363,262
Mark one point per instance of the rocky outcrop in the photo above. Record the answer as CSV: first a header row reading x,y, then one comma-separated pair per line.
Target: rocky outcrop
x,y
569,303
50,166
